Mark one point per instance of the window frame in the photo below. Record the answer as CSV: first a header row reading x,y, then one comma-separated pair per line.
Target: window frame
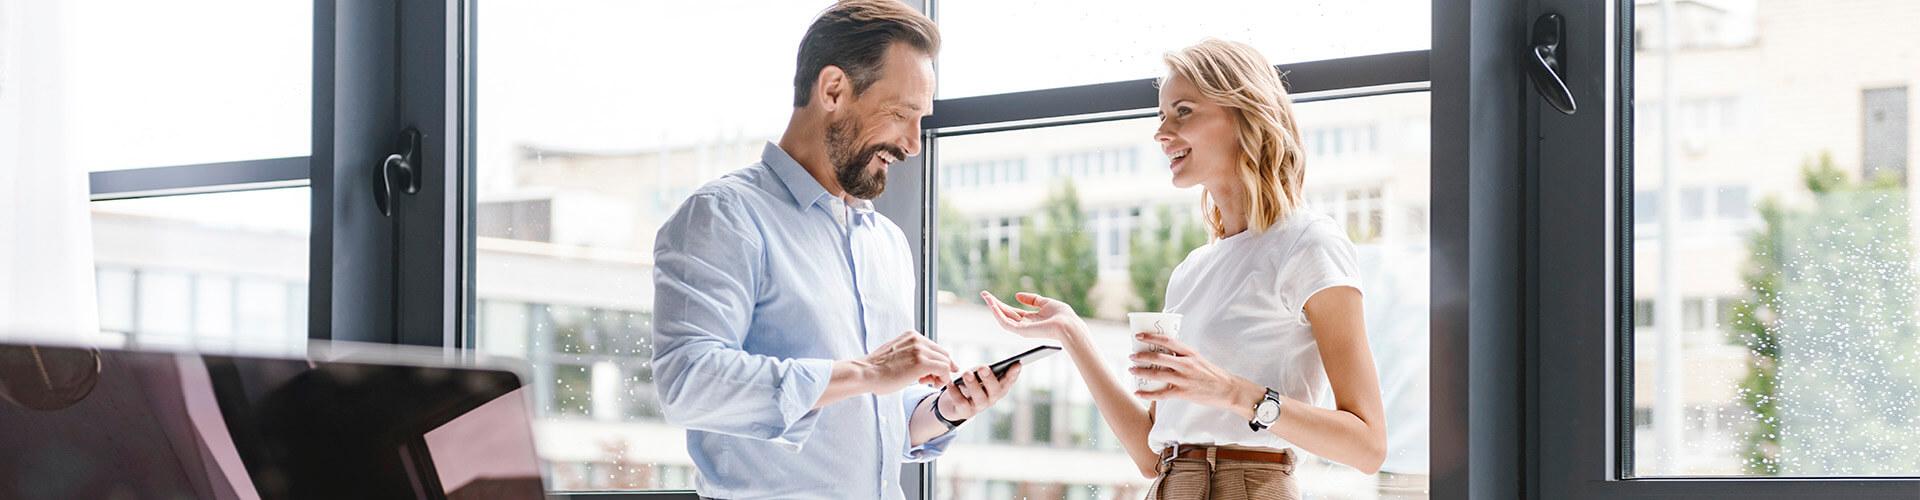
x,y
361,98
1580,285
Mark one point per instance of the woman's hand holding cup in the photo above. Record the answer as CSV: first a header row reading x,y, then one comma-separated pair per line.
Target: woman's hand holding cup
x,y
1170,369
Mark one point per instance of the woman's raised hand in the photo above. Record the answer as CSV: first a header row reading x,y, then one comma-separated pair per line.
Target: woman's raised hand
x,y
1052,319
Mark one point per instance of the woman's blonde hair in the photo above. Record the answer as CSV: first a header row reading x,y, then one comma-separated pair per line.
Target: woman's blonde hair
x,y
1271,166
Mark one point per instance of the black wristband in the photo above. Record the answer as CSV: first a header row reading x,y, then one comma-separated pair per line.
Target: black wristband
x,y
951,424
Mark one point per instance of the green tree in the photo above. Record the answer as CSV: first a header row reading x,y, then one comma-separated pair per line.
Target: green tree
x,y
1056,255
1833,385
961,271
1153,255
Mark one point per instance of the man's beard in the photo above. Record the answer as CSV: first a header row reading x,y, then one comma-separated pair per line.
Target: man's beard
x,y
850,166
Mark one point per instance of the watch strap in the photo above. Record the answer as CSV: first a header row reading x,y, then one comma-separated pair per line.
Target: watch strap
x,y
951,424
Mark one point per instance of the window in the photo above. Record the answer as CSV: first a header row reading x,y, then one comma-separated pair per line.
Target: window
x,y
1733,204
1884,141
133,85
174,83
1693,204
1795,283
577,166
1124,41
1646,207
527,220
1643,313
1052,408
1693,314
223,271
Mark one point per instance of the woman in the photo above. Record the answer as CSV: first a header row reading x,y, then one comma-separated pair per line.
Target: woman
x,y
1271,307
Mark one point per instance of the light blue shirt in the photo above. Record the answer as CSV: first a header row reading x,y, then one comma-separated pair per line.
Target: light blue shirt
x,y
761,280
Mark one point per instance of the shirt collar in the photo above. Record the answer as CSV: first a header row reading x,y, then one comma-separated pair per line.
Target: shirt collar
x,y
806,191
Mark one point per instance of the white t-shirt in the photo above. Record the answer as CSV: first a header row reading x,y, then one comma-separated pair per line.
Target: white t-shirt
x,y
1241,300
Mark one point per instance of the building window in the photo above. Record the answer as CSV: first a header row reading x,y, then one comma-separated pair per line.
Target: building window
x,y
1884,137
530,220
191,271
1693,314
1643,313
1733,204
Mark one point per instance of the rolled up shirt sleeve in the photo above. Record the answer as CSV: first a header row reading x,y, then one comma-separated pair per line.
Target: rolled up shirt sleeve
x,y
910,398
706,260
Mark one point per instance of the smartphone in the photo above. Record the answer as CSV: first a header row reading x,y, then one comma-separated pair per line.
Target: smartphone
x,y
1000,367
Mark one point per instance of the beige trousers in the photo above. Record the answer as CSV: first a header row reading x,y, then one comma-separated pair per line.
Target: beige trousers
x,y
1196,479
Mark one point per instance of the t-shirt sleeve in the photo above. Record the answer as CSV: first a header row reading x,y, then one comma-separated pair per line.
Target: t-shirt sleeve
x,y
1321,259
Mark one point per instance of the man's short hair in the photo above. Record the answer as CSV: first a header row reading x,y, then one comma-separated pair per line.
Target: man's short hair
x,y
854,35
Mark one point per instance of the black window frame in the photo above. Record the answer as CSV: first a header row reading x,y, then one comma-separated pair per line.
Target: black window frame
x,y
1580,289
382,67
378,68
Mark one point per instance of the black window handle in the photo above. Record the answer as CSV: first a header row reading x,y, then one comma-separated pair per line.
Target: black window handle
x,y
402,167
1547,71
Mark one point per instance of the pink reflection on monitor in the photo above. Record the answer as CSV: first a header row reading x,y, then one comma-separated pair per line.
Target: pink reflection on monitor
x,y
489,451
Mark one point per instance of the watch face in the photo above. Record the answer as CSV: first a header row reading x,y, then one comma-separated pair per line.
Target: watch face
x,y
1267,412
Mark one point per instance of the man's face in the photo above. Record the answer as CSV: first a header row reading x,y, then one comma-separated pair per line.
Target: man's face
x,y
881,125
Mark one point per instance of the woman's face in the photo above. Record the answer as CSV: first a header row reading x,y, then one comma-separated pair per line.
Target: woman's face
x,y
1197,136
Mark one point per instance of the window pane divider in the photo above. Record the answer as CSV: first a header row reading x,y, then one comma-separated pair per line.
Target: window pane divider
x,y
199,178
1302,78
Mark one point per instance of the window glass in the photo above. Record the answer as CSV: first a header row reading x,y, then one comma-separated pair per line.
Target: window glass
x,y
180,82
990,45
223,271
1794,352
1047,440
596,121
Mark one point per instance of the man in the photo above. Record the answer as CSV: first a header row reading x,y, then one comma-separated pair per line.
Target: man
x,y
781,296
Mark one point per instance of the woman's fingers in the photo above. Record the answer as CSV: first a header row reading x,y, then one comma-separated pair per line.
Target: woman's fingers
x,y
1165,342
1158,374
1010,317
1170,392
1002,307
1162,359
1000,311
1031,299
993,303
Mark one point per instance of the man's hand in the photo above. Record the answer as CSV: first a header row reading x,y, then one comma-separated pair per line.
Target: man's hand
x,y
977,390
906,359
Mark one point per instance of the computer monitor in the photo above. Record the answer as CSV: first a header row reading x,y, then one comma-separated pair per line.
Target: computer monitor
x,y
346,423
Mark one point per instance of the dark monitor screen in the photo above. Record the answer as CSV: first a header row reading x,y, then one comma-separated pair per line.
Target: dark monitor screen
x,y
90,423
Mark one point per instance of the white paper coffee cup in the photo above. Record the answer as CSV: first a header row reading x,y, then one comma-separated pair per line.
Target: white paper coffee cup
x,y
1167,324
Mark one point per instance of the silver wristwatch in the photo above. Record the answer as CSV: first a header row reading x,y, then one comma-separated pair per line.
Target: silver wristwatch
x,y
1265,412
